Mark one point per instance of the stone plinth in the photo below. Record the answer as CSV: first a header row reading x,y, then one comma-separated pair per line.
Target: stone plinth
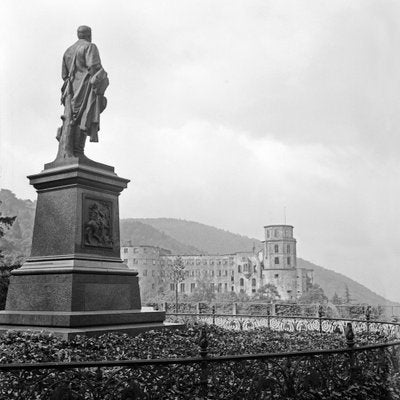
x,y
75,281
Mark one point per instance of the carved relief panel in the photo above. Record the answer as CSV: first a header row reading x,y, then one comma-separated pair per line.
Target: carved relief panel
x,y
97,223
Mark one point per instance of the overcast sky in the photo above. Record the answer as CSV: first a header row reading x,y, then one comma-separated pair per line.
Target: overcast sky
x,y
225,112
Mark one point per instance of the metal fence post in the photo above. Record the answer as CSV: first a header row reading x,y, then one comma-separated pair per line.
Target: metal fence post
x,y
368,317
355,370
320,315
204,364
234,309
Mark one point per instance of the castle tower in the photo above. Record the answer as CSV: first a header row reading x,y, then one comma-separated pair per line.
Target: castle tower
x,y
279,247
280,260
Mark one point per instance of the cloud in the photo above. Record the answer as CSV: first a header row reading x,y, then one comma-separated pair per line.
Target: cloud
x,y
226,112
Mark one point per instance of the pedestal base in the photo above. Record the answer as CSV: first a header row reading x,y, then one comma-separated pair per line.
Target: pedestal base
x,y
75,282
70,333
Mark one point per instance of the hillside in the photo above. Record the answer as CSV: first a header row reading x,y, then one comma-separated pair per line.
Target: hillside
x,y
332,282
179,236
137,233
18,239
211,240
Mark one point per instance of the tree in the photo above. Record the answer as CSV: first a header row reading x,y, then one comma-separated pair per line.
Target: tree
x,y
267,292
315,295
204,290
177,275
336,299
5,223
6,265
347,297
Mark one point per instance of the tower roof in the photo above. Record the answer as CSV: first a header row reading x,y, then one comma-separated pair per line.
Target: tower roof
x,y
279,226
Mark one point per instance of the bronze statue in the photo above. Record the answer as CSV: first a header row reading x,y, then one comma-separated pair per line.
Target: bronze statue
x,y
82,95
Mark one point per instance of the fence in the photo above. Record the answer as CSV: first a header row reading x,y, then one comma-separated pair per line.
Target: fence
x,y
290,324
301,375
376,312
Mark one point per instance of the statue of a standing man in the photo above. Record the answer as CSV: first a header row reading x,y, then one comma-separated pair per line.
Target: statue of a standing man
x,y
85,82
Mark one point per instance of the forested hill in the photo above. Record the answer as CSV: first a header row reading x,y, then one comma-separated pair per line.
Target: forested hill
x,y
179,236
332,282
135,232
206,238
18,239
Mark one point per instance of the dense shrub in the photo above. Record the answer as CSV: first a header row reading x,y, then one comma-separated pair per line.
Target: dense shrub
x,y
300,378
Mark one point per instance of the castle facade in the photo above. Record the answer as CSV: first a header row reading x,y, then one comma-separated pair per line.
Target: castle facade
x,y
241,272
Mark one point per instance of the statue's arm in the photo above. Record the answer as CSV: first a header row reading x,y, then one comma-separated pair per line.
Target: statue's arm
x,y
64,70
93,61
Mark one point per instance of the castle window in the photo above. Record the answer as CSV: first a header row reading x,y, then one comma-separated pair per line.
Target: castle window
x,y
276,276
254,268
288,248
182,287
267,234
253,282
219,287
239,269
241,282
219,272
276,260
232,279
232,288
192,287
288,261
253,290
135,250
276,232
225,287
125,250
171,286
276,248
135,260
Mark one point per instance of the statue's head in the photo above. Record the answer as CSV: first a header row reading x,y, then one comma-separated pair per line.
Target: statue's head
x,y
84,32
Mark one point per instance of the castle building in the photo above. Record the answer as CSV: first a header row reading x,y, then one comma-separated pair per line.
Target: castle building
x,y
241,272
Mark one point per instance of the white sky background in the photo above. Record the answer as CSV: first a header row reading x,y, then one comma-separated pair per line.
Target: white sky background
x,y
224,112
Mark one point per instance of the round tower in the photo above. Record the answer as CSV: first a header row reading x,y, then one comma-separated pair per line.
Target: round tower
x,y
279,247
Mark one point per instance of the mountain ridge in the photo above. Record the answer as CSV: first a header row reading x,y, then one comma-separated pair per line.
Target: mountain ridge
x,y
180,237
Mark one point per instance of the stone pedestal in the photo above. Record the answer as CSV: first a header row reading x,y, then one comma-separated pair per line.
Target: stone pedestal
x,y
75,282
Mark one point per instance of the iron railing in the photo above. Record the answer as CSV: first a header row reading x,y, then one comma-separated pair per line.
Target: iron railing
x,y
286,323
354,311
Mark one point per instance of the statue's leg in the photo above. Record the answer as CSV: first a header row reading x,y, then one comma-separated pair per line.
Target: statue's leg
x,y
79,142
66,140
